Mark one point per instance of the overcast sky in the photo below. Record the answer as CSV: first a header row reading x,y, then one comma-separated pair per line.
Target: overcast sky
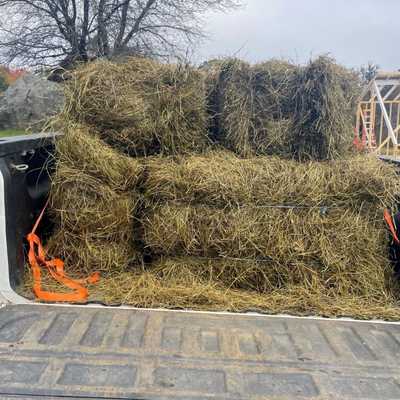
x,y
353,31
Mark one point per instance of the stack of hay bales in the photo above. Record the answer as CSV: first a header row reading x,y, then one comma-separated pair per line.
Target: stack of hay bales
x,y
141,194
277,108
113,113
266,224
93,203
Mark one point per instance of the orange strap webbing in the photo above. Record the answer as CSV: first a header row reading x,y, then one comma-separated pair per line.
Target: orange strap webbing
x,y
389,221
37,258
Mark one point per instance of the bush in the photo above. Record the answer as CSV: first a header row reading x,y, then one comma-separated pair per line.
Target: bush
x,y
3,84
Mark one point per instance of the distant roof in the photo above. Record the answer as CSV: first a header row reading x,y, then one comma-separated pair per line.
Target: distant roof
x,y
388,75
388,84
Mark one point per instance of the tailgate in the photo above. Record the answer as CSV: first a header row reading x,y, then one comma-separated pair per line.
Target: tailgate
x,y
73,352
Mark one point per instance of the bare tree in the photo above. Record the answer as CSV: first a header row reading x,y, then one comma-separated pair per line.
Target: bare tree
x,y
62,32
368,72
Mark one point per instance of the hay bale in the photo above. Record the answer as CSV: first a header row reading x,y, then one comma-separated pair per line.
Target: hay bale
x,y
84,203
156,287
275,84
141,106
94,223
83,150
266,277
324,109
340,247
275,142
270,279
222,179
84,254
230,104
178,284
245,101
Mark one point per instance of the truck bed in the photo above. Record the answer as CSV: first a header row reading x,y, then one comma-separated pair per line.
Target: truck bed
x,y
88,352
94,352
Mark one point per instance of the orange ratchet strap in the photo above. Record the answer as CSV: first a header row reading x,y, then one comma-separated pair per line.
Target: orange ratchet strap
x,y
37,258
389,221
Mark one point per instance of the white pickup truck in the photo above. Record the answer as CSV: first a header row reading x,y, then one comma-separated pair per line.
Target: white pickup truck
x,y
96,352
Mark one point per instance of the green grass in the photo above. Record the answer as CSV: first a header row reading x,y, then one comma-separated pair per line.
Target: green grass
x,y
12,132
